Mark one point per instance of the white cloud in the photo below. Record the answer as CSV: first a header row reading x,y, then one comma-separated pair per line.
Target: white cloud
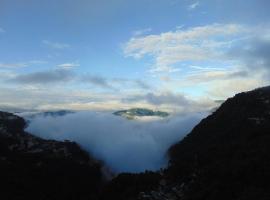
x,y
142,31
68,65
229,87
12,65
193,5
200,68
194,44
55,45
161,69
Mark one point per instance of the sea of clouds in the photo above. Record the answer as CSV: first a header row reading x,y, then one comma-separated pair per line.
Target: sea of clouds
x,y
123,145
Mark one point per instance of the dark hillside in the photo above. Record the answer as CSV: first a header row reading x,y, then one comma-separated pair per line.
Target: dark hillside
x,y
227,155
33,168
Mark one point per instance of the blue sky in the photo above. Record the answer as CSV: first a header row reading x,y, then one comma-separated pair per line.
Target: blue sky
x,y
100,54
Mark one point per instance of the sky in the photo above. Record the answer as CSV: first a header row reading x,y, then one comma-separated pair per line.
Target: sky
x,y
176,55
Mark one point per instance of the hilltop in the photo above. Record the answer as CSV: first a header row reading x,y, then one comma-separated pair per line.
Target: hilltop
x,y
140,112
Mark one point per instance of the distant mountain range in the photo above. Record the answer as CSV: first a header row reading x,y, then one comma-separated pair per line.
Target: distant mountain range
x,y
140,112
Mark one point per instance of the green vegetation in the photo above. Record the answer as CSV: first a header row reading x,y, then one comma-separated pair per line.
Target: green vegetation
x,y
140,112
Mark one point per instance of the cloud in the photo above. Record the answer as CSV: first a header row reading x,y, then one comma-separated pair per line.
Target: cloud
x,y
230,87
193,5
142,31
253,52
142,84
160,69
64,95
165,98
124,145
15,65
206,68
55,45
68,65
2,30
44,77
12,65
56,97
173,102
201,43
129,84
97,81
205,76
6,74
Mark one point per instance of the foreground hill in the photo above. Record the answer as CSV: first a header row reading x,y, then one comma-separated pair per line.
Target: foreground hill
x,y
33,168
226,156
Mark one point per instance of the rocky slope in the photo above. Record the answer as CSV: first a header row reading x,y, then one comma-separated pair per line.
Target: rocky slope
x,y
33,168
226,156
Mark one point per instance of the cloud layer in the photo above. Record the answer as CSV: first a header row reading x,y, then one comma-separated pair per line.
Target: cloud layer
x,y
124,145
44,77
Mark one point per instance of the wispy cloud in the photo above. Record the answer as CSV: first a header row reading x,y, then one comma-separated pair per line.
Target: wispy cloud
x,y
55,45
193,5
160,99
204,76
142,84
99,81
44,77
12,65
171,101
6,74
160,69
207,68
142,31
192,44
68,65
253,51
16,65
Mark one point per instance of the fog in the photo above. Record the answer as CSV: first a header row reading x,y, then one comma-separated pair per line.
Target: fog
x,y
123,145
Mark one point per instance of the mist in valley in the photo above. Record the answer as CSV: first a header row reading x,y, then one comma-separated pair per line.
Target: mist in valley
x,y
123,145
